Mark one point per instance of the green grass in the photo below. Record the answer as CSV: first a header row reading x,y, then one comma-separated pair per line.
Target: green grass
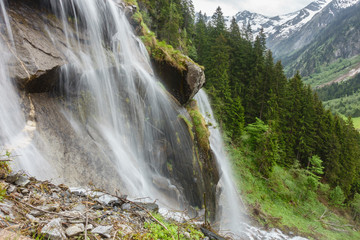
x,y
347,106
283,200
356,122
330,72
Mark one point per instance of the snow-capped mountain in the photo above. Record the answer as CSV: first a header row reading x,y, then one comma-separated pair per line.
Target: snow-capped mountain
x,y
305,26
283,27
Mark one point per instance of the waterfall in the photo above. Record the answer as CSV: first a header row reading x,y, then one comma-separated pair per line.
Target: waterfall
x,y
108,118
232,211
231,208
119,120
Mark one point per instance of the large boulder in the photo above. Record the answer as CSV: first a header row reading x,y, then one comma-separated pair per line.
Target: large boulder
x,y
36,61
182,84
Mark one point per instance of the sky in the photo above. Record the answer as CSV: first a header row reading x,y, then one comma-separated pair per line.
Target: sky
x,y
268,8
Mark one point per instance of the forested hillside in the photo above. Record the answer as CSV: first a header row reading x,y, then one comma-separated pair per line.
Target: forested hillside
x,y
280,124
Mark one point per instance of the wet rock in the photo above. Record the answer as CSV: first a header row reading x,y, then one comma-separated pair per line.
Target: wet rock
x,y
22,181
12,177
210,234
37,61
75,230
53,230
103,231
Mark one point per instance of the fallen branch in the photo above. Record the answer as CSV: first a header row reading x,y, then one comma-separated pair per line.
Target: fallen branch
x,y
323,214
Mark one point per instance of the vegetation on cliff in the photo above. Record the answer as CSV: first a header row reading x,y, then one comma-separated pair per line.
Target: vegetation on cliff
x,y
304,158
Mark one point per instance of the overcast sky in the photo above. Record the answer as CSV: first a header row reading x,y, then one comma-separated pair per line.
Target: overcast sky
x,y
266,7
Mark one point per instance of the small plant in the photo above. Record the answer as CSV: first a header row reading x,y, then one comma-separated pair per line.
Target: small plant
x,y
173,231
5,158
337,196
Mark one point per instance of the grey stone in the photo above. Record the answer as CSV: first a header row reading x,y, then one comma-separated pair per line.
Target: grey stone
x,y
107,199
126,206
11,189
22,181
80,207
43,209
75,230
25,191
195,78
53,230
187,235
89,227
12,177
103,231
37,213
152,207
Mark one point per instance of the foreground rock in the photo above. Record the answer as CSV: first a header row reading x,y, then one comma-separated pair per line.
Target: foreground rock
x,y
43,210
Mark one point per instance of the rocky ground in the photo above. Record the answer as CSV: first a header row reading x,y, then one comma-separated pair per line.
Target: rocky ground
x,y
32,209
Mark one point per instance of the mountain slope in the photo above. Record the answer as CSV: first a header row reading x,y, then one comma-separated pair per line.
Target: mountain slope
x,y
338,40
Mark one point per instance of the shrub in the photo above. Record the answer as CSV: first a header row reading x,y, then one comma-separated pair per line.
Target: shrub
x,y
337,196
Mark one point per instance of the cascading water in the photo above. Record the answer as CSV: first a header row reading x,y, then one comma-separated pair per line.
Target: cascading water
x,y
120,121
114,116
232,212
232,208
16,132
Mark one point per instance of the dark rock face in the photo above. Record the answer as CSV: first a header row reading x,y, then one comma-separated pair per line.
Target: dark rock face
x,y
183,85
36,61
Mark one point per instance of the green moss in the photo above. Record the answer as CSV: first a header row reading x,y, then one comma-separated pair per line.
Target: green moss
x,y
188,124
201,131
160,51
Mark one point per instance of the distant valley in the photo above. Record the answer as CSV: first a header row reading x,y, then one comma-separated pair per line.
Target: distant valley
x,y
321,41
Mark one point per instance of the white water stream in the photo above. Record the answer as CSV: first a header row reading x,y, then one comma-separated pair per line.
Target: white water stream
x,y
232,212
127,112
